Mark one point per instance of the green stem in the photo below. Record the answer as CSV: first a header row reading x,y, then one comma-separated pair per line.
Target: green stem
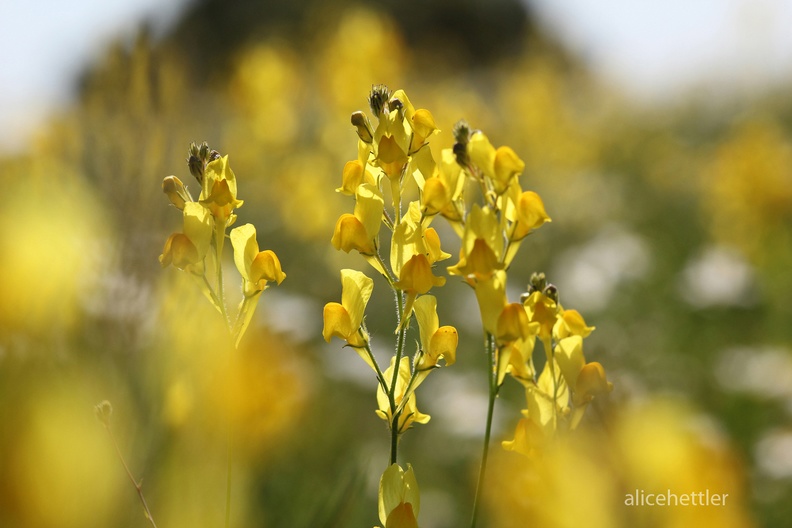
x,y
492,375
138,486
395,378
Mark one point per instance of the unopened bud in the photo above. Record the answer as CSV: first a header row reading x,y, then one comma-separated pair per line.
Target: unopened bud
x,y
551,292
538,282
361,123
461,133
377,98
203,152
196,167
176,192
103,412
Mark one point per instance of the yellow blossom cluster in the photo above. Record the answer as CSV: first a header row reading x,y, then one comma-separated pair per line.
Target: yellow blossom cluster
x,y
205,224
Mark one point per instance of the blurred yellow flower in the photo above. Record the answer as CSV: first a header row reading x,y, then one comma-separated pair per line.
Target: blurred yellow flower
x,y
399,498
404,398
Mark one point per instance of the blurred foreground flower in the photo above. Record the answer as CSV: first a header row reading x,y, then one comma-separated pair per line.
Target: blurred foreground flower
x,y
657,465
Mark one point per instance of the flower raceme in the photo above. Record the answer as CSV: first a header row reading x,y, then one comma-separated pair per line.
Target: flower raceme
x,y
393,153
205,222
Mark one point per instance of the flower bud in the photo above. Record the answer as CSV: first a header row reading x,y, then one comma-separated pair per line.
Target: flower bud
x,y
176,192
378,97
103,412
364,131
538,282
551,292
461,133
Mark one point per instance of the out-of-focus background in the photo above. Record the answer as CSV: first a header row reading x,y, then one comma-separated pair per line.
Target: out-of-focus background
x,y
659,136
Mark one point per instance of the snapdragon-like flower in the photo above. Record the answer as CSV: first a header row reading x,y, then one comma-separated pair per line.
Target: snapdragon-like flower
x,y
256,267
436,342
359,231
399,499
345,320
404,397
219,191
187,250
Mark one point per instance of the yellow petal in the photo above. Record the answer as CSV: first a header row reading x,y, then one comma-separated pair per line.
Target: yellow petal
x,y
416,276
355,294
591,382
336,322
351,177
491,296
569,356
444,344
513,324
482,153
243,240
369,205
198,226
266,267
350,234
506,166
531,214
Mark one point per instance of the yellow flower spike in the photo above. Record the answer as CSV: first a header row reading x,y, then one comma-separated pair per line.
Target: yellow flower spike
x,y
513,324
436,342
569,323
176,192
591,382
482,153
569,356
531,214
399,501
506,165
405,401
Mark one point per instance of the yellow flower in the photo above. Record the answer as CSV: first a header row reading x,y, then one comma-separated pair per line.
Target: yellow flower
x,y
569,323
591,382
345,319
187,250
176,192
491,297
359,231
219,193
436,341
506,165
482,154
482,247
543,310
531,214
405,402
513,324
399,500
256,267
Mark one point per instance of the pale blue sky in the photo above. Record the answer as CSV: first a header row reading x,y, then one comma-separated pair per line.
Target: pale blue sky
x,y
653,50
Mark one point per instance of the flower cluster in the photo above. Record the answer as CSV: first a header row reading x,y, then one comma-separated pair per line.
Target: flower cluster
x,y
390,157
205,223
491,228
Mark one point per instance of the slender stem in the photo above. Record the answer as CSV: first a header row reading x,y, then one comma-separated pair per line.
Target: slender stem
x,y
492,378
138,486
219,240
395,377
